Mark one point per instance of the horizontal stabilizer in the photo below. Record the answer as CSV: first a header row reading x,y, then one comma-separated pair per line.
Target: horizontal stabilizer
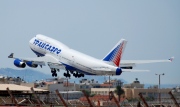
x,y
134,62
133,70
39,63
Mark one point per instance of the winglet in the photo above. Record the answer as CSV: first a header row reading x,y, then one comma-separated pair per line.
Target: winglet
x,y
11,55
171,59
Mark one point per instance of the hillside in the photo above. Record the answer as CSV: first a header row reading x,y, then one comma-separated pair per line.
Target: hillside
x,y
28,75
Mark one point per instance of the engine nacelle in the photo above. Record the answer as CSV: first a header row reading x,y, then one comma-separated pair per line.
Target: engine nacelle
x,y
118,71
19,63
30,64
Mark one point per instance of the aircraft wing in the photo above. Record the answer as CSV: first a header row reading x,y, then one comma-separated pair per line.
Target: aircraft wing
x,y
50,60
134,62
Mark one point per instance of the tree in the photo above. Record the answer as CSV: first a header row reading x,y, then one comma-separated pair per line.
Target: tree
x,y
119,91
88,93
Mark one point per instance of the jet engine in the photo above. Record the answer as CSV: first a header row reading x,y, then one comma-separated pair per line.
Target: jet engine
x,y
19,63
30,64
118,71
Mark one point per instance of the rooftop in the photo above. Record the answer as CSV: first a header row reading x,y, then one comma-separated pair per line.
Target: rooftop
x,y
14,87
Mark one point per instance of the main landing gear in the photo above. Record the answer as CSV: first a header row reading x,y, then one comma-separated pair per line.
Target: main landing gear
x,y
53,71
78,75
67,74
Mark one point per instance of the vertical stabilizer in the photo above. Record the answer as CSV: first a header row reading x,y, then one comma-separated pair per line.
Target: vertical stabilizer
x,y
116,53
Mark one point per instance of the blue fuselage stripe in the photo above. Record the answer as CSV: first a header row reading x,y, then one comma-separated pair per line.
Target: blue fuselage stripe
x,y
73,68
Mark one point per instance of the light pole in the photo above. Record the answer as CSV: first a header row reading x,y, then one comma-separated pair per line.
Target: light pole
x,y
159,86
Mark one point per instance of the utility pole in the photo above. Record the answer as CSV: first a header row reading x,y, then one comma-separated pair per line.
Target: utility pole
x,y
109,87
119,84
159,86
67,89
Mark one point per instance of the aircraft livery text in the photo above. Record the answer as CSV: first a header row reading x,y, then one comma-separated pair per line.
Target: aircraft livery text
x,y
46,46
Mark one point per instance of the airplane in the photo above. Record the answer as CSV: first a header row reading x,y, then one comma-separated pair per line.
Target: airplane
x,y
59,56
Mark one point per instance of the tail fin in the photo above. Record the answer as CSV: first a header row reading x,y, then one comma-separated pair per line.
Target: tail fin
x,y
116,53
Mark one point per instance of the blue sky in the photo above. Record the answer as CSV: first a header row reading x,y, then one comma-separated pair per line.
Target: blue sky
x,y
93,27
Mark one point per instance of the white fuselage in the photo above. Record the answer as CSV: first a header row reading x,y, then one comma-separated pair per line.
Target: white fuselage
x,y
77,61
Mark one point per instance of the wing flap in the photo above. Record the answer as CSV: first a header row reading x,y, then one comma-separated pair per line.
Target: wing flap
x,y
56,65
39,63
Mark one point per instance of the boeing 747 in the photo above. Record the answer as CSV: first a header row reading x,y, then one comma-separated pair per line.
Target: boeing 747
x,y
59,56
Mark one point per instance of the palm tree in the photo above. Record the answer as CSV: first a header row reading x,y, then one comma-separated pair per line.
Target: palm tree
x,y
119,91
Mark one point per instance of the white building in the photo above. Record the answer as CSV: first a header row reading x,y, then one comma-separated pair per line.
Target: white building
x,y
53,84
176,92
71,94
102,91
88,84
112,83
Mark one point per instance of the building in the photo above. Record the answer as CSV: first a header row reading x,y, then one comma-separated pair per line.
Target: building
x,y
19,91
176,92
132,90
70,95
11,80
53,84
147,93
85,84
112,83
102,91
135,84
106,87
